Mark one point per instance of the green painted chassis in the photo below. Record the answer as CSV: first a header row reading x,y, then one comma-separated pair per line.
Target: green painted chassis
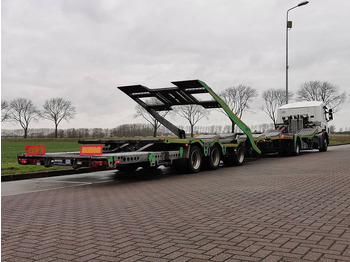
x,y
134,152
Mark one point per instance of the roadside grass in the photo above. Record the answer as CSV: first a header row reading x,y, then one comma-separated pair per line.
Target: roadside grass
x,y
339,139
10,148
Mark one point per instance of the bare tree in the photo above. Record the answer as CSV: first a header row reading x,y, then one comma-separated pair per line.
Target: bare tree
x,y
23,111
57,109
4,110
332,129
274,98
193,113
238,99
140,111
322,91
131,130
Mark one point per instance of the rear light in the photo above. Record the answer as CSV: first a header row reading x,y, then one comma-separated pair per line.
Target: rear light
x,y
23,161
98,163
282,136
116,161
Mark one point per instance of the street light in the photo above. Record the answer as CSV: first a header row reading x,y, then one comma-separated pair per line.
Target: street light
x,y
289,26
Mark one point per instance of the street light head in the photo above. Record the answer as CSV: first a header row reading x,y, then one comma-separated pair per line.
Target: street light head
x,y
303,3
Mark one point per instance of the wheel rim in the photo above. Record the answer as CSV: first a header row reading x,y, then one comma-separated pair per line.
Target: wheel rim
x,y
297,150
195,159
215,157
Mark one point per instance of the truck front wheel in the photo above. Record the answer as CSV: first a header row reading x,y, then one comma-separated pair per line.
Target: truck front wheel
x,y
324,144
296,148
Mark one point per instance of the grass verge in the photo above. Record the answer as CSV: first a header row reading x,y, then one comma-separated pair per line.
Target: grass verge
x,y
10,148
340,139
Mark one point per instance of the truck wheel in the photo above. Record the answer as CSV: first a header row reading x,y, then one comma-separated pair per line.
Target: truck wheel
x,y
195,160
214,158
296,149
324,145
238,158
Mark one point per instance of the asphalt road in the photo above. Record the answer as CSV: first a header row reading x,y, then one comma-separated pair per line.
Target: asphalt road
x,y
270,209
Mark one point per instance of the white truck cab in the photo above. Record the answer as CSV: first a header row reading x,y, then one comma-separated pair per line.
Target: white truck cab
x,y
315,113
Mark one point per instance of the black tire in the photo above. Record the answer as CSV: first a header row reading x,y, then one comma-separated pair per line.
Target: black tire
x,y
239,156
324,145
195,160
213,160
296,148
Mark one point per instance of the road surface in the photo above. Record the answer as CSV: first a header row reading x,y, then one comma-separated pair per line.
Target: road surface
x,y
270,209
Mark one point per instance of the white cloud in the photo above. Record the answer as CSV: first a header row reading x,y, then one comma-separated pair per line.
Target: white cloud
x,y
83,50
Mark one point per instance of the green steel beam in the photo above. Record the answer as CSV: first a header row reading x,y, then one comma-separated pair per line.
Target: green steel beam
x,y
232,116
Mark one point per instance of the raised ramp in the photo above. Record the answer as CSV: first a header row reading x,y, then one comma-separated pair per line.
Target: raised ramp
x,y
182,94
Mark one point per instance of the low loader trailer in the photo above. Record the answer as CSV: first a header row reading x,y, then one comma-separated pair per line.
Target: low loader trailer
x,y
296,131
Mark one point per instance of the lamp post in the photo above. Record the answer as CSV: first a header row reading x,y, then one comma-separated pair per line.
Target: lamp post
x,y
289,26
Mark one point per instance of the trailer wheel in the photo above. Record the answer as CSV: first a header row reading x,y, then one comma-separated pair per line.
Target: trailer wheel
x,y
324,145
238,158
195,160
214,157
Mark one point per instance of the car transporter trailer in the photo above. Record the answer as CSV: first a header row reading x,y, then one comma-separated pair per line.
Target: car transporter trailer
x,y
294,133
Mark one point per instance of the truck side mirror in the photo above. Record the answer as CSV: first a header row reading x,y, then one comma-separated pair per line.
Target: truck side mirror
x,y
330,114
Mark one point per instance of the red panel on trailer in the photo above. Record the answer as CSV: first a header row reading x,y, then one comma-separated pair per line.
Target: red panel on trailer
x,y
35,150
91,150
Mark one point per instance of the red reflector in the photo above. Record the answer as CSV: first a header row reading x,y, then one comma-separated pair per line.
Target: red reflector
x,y
35,150
23,161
